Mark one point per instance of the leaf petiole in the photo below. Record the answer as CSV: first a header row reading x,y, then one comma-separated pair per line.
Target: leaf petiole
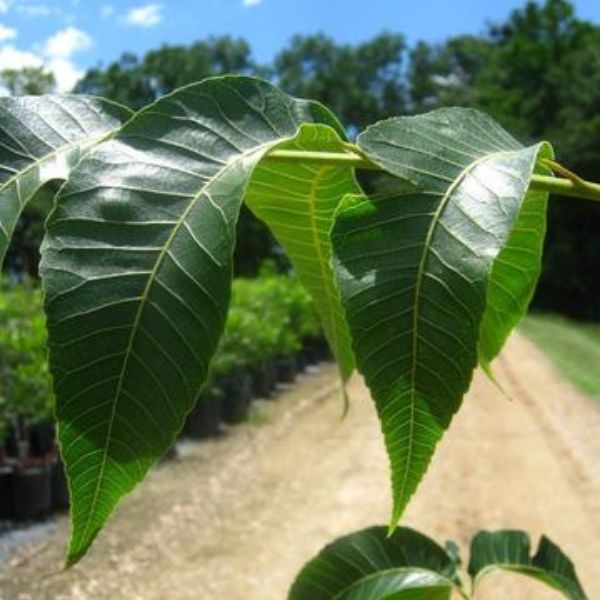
x,y
568,185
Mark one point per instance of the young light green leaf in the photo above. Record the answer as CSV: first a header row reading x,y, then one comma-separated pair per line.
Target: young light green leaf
x,y
510,551
413,265
137,268
297,201
515,273
370,565
41,139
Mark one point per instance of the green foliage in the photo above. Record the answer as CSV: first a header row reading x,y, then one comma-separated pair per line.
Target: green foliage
x,y
30,81
511,551
413,266
369,565
408,269
573,346
298,201
25,385
43,138
359,83
137,267
268,317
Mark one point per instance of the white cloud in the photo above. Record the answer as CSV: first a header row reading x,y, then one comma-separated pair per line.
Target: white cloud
x,y
3,7
66,42
57,51
106,10
66,74
147,15
13,58
7,33
251,2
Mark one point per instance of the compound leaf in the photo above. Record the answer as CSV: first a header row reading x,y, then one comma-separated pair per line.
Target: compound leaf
x,y
137,267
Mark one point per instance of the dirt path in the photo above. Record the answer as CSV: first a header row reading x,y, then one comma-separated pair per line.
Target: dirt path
x,y
236,518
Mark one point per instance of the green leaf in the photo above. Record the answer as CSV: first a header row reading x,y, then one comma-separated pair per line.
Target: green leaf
x,y
370,565
515,273
412,261
297,200
510,551
41,139
137,268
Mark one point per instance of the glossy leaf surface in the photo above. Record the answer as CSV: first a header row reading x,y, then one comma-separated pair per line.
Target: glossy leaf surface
x,y
137,267
41,139
369,565
515,273
413,261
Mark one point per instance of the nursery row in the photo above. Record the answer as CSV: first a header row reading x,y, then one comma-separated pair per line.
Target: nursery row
x,y
272,332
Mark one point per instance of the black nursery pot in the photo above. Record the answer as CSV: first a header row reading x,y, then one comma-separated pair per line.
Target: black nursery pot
x,y
6,477
31,492
286,369
318,348
301,362
237,393
60,489
41,438
262,380
205,419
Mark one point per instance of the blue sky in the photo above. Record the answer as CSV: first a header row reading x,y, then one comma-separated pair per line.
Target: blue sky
x,y
70,35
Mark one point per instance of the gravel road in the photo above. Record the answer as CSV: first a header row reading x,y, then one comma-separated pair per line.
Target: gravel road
x,y
237,517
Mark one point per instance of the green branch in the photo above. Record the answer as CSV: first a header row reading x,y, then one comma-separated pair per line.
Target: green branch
x,y
572,186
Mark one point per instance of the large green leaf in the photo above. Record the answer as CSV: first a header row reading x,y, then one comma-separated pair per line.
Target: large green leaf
x,y
370,565
41,139
510,551
515,273
297,200
137,267
413,263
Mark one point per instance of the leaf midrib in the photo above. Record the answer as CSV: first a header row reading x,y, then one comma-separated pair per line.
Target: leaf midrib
x,y
417,301
313,219
138,316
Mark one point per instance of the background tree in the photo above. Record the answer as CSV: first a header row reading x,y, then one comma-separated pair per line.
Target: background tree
x,y
359,83
537,73
31,81
135,82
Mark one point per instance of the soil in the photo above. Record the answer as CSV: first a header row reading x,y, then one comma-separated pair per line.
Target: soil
x,y
237,517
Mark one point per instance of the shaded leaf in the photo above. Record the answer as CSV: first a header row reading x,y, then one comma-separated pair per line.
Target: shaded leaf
x,y
297,201
510,551
41,139
137,268
370,565
413,263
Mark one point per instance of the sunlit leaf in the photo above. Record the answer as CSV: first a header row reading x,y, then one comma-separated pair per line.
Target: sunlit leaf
x,y
137,267
297,201
515,273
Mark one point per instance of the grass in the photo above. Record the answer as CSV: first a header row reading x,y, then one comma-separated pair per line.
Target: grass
x,y
573,346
